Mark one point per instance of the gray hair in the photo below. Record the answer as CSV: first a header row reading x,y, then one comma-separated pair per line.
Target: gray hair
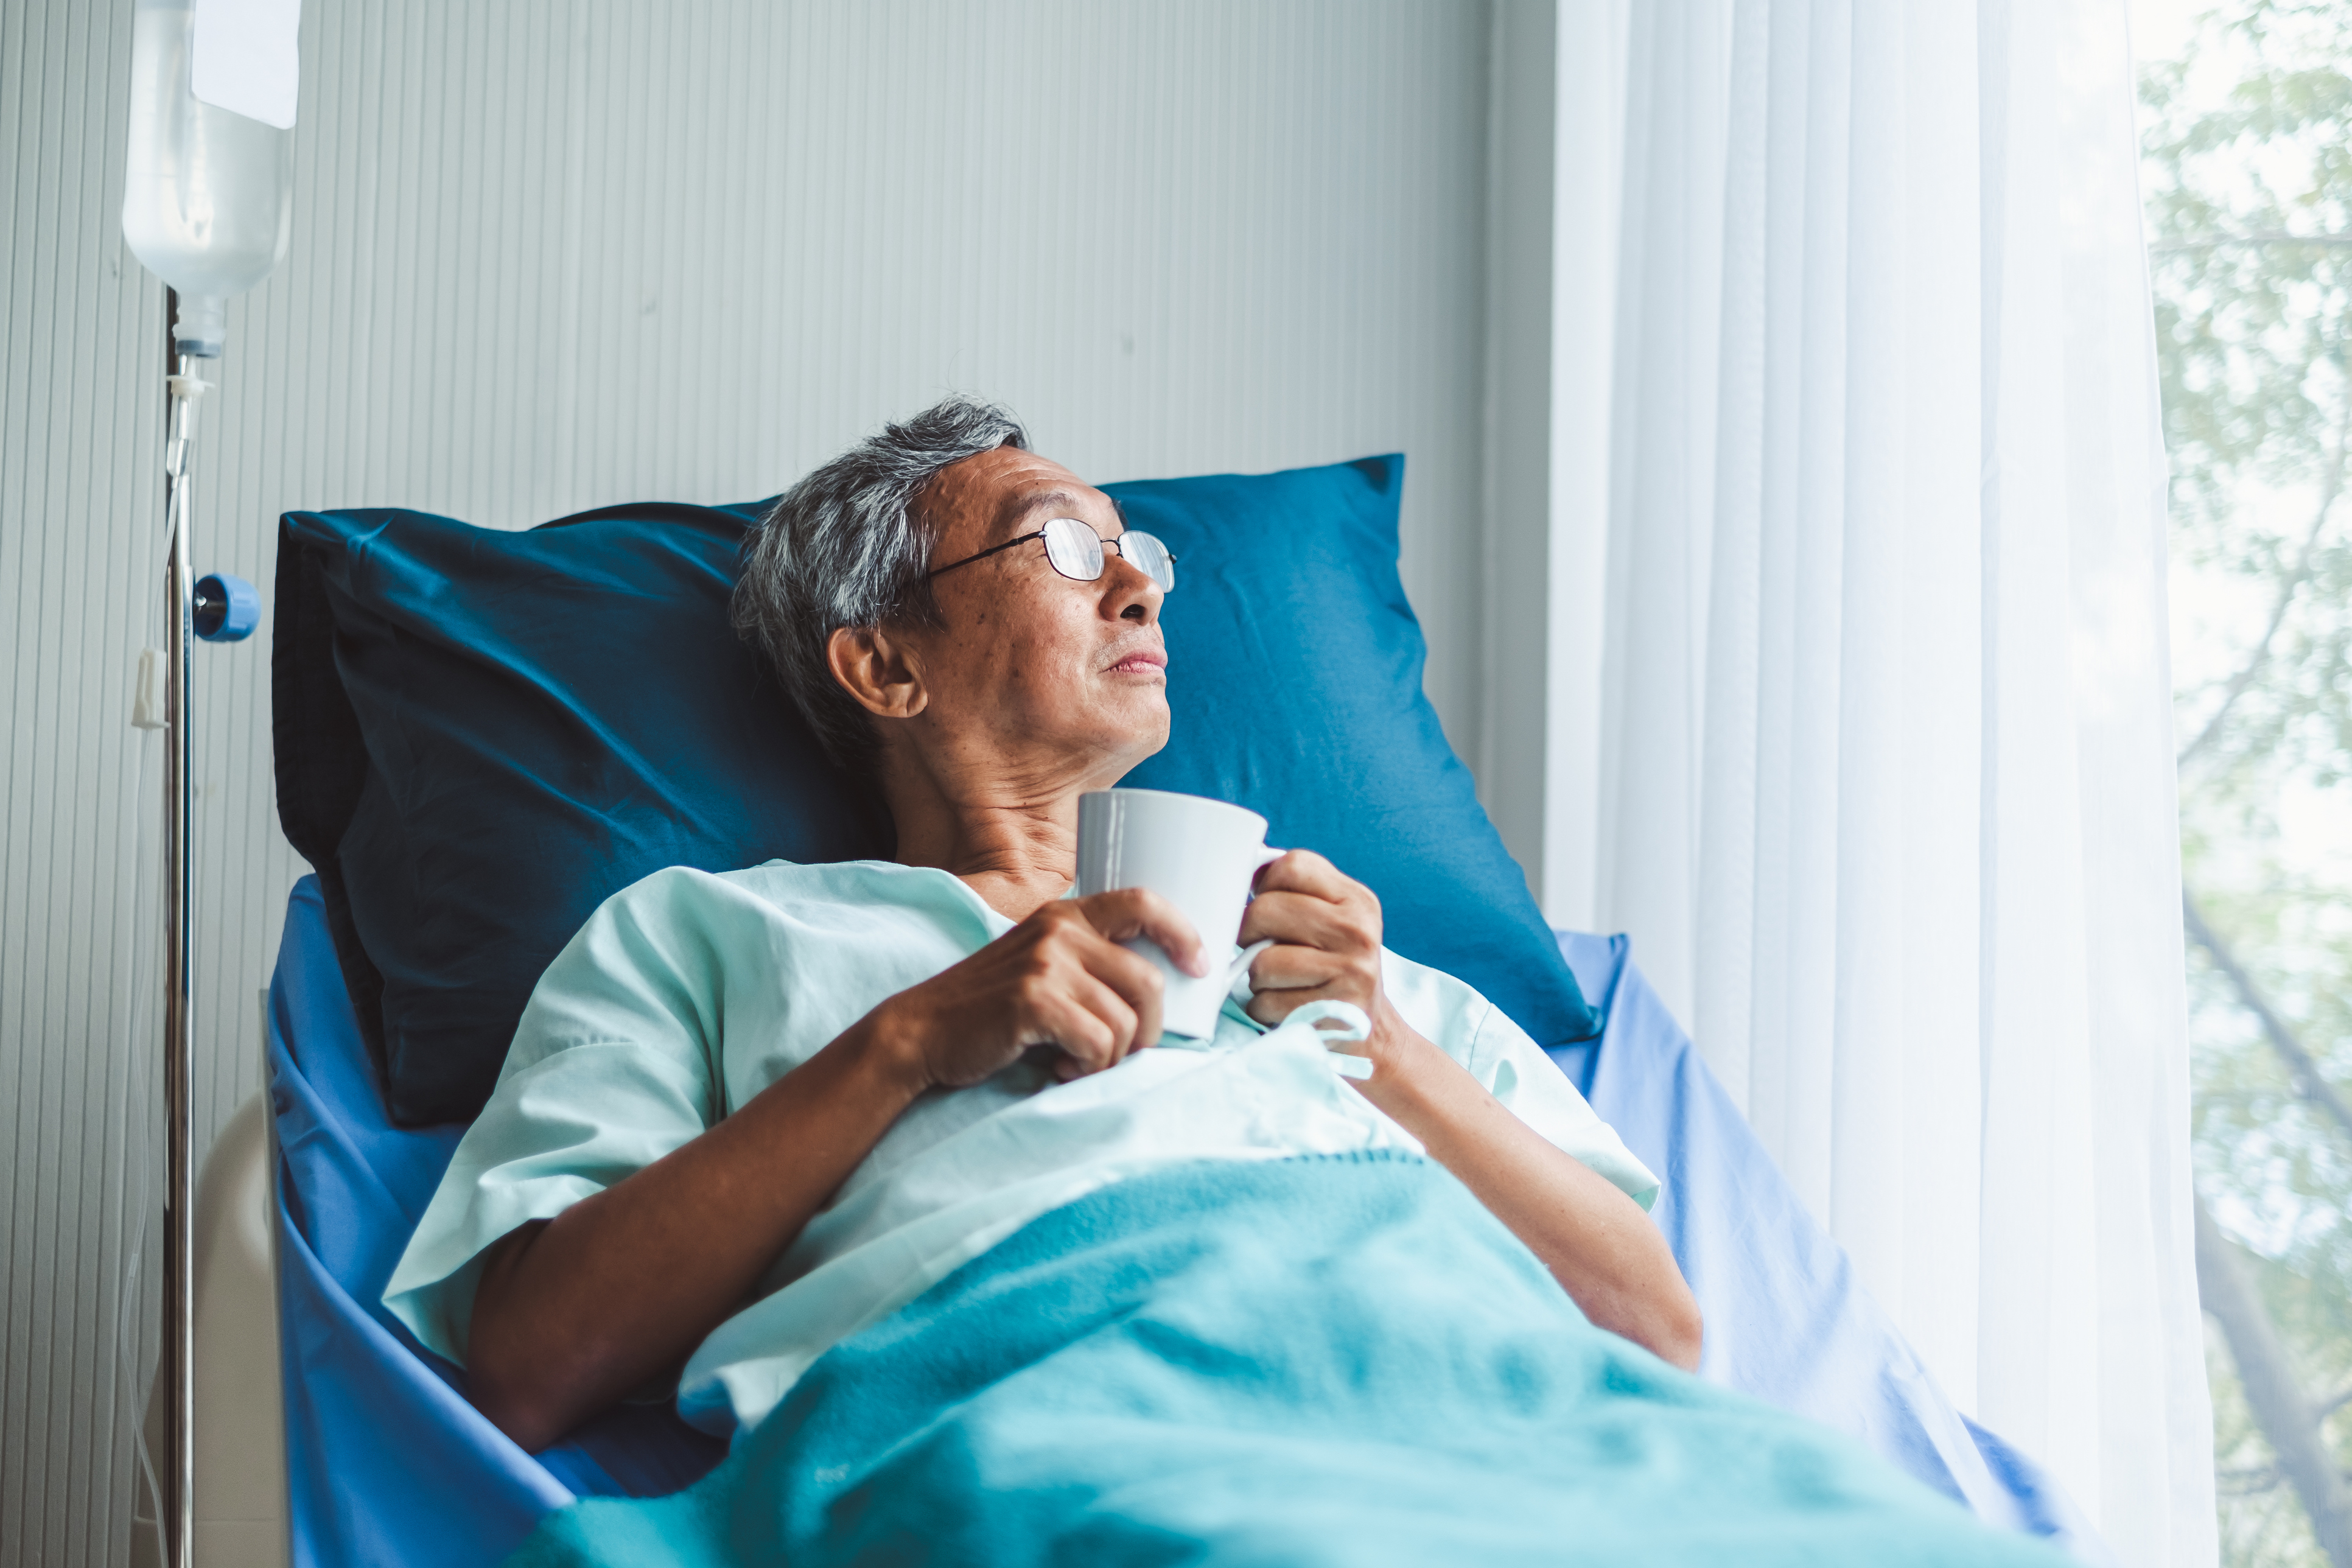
x,y
843,548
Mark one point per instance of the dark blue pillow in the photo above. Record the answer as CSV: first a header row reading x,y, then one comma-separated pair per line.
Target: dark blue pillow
x,y
1294,684
482,735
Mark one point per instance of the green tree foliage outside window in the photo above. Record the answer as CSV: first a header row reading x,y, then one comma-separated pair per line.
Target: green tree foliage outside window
x,y
2247,172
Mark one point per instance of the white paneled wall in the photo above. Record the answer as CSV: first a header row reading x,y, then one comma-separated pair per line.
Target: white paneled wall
x,y
549,256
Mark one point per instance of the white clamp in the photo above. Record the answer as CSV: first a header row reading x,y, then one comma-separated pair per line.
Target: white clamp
x,y
184,389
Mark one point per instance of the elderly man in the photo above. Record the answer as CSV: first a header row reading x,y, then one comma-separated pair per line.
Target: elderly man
x,y
752,1112
888,1169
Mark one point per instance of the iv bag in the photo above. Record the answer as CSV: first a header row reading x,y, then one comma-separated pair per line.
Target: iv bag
x,y
209,203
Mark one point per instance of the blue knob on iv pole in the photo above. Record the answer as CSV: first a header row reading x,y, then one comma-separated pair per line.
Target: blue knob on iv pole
x,y
227,609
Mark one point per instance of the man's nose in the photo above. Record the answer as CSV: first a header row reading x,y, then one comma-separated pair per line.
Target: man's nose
x,y
1130,593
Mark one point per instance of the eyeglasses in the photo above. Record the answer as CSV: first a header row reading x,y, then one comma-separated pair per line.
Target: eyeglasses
x,y
1076,551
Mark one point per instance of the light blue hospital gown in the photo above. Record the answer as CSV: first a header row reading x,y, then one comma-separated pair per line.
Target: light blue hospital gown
x,y
689,992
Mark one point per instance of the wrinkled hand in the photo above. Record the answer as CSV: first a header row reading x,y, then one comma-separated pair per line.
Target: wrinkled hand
x,y
1326,928
1059,978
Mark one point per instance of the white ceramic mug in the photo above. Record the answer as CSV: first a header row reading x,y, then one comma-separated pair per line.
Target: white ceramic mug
x,y
1199,854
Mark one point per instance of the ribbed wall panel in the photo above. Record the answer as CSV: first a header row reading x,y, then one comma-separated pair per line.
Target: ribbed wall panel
x,y
552,255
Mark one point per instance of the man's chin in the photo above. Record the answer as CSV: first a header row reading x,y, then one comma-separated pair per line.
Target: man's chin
x,y
1146,739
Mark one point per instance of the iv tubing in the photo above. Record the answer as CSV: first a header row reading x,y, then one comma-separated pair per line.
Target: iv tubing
x,y
140,899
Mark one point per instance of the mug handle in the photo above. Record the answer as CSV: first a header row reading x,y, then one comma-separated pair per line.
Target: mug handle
x,y
1240,965
1267,856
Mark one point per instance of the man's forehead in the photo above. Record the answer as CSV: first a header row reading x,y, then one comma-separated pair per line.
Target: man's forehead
x,y
996,491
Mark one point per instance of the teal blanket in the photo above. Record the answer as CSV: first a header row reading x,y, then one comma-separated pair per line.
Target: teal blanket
x,y
1341,1361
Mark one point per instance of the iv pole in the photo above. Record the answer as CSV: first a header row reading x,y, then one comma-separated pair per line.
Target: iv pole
x,y
206,207
217,607
178,1505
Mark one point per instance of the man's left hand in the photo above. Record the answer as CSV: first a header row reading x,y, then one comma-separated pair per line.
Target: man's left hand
x,y
1326,928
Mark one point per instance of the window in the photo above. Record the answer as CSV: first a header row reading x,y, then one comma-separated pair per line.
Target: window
x,y
2246,137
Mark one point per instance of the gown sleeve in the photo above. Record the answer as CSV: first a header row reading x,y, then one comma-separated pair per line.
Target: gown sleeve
x,y
614,1065
1515,1071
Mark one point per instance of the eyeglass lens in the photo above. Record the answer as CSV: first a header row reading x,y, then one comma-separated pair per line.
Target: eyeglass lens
x,y
1148,555
1075,550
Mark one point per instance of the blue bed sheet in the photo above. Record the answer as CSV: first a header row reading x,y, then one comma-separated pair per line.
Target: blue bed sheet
x,y
1786,1320
1334,1361
387,1463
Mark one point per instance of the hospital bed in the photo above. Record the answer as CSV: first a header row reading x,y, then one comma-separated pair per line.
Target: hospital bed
x,y
370,1445
383,1462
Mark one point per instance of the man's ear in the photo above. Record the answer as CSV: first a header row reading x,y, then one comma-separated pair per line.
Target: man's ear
x,y
877,669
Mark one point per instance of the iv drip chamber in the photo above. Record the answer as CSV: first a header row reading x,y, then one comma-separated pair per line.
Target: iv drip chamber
x,y
209,203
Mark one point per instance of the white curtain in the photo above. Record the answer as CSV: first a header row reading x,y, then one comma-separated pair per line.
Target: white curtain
x,y
1880,779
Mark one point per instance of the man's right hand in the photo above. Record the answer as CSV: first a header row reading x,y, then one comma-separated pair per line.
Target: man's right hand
x,y
573,1313
1059,978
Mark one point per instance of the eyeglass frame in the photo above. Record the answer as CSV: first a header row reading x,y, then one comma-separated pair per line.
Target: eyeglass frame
x,y
1081,522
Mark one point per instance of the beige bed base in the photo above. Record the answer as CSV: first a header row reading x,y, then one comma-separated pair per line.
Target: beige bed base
x,y
240,1420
